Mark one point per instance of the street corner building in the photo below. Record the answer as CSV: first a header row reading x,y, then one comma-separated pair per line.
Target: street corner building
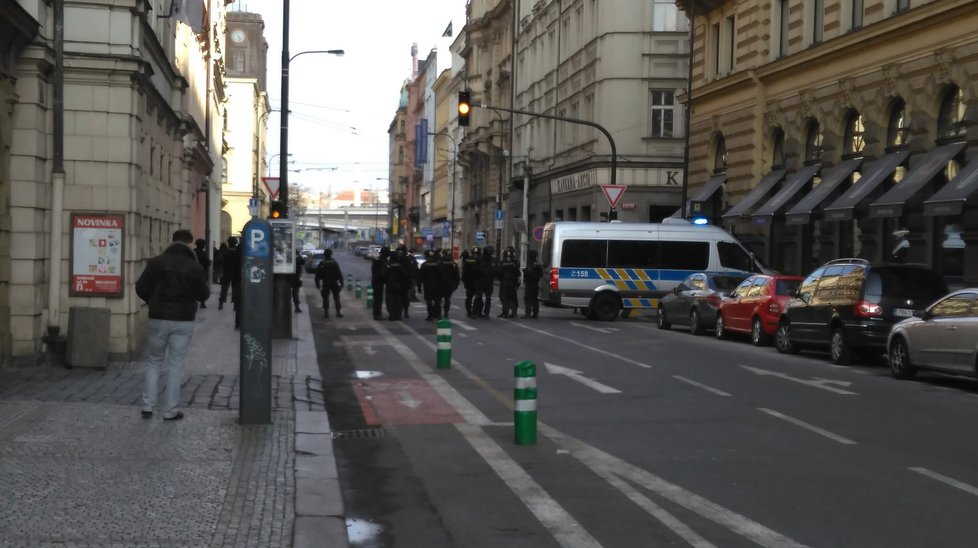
x,y
111,138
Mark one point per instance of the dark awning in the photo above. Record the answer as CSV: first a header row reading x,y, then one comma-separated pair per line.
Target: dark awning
x,y
908,190
744,206
704,192
831,179
874,174
795,184
950,199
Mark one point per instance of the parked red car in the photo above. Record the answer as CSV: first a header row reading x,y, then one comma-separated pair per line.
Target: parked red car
x,y
755,306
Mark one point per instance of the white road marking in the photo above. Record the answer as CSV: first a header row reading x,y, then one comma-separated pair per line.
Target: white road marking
x,y
463,325
369,350
700,385
970,489
565,529
822,384
578,376
592,328
809,427
582,345
408,400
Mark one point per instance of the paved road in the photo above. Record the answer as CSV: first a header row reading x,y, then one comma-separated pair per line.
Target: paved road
x,y
647,438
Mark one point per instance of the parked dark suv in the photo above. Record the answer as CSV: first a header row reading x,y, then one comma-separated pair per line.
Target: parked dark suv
x,y
849,306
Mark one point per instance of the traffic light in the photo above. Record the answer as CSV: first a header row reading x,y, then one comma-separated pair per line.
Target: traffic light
x,y
277,210
464,108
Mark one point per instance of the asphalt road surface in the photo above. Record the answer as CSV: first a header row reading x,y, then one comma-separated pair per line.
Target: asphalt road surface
x,y
645,438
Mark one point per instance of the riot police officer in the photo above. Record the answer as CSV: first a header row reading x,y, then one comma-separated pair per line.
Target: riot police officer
x,y
397,280
429,282
378,280
471,273
486,284
509,280
532,274
329,280
450,278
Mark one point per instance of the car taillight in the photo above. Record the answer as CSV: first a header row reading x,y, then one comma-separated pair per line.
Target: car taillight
x,y
866,309
774,308
554,280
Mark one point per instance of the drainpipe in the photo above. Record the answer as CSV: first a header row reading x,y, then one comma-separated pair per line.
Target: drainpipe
x,y
54,340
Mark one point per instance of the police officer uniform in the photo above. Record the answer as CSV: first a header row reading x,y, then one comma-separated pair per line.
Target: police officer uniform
x,y
509,280
532,274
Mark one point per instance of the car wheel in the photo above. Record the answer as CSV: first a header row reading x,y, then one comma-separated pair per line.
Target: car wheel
x,y
757,335
660,318
839,349
721,330
605,307
900,365
783,339
695,325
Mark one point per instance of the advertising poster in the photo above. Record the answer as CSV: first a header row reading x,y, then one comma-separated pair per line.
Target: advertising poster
x,y
97,254
283,242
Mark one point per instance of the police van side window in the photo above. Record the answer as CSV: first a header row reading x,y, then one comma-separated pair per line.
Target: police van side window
x,y
584,254
632,254
684,255
734,256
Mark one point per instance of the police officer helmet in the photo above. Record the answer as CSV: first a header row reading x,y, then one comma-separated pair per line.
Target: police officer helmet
x,y
488,251
446,253
429,253
385,251
531,254
327,253
510,249
475,250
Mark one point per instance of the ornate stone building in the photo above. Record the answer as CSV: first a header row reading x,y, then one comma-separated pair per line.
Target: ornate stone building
x,y
828,128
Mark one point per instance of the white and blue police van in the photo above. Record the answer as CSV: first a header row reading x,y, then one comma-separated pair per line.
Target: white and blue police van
x,y
605,268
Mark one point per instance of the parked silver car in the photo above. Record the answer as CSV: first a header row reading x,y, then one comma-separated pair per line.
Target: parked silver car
x,y
695,301
944,337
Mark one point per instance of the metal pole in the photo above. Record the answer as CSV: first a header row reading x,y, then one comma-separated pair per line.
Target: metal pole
x,y
454,190
283,169
689,107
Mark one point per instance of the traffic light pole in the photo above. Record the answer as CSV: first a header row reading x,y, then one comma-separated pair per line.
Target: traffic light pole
x,y
613,214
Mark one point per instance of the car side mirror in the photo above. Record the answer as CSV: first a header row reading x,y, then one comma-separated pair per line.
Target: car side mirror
x,y
676,290
921,313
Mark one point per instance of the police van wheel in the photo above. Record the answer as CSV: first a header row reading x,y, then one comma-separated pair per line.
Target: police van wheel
x,y
660,318
605,308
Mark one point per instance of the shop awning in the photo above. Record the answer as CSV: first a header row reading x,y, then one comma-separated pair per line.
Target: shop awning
x,y
908,190
796,183
704,192
802,212
874,174
745,205
950,199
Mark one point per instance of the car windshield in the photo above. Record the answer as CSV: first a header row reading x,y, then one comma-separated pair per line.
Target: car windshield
x,y
787,287
920,284
726,282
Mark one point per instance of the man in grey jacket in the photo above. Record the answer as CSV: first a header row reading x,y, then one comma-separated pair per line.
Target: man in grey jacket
x,y
172,284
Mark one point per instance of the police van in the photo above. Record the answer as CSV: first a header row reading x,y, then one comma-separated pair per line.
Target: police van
x,y
604,268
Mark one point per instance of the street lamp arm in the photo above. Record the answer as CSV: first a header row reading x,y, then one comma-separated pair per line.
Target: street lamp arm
x,y
337,52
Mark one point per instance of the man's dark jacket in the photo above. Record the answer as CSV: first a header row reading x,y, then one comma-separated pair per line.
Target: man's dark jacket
x,y
172,284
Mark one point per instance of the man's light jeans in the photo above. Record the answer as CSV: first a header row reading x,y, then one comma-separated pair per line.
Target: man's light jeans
x,y
170,340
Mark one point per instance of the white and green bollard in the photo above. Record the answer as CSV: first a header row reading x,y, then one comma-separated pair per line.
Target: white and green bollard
x,y
358,293
444,344
370,297
349,282
525,414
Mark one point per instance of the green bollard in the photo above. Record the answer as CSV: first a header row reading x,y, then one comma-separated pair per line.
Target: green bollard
x,y
357,292
349,282
444,344
525,415
370,297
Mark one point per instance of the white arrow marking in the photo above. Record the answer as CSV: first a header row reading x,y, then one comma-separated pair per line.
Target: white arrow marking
x,y
369,350
822,384
408,400
598,329
846,384
579,377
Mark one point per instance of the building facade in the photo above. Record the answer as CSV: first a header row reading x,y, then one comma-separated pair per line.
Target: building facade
x,y
821,129
137,136
399,168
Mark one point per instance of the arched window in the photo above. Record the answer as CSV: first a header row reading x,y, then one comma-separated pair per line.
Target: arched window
x,y
898,129
720,155
813,142
777,146
950,123
855,140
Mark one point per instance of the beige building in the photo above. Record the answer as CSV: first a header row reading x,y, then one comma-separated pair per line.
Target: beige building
x,y
821,128
247,117
120,120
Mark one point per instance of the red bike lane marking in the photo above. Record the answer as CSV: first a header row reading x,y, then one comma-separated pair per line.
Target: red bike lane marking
x,y
403,401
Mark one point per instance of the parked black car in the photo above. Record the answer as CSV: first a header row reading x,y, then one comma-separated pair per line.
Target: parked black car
x,y
849,306
695,301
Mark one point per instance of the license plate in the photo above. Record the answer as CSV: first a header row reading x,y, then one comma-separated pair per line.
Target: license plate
x,y
903,312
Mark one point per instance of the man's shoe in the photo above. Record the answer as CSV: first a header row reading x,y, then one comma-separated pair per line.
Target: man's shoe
x,y
220,306
203,305
339,314
146,414
325,313
378,318
176,417
525,316
429,319
298,310
503,315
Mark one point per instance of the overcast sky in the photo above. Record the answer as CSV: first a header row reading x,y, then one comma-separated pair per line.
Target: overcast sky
x,y
341,107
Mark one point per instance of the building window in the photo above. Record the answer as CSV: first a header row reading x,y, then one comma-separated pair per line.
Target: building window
x,y
813,143
661,113
857,13
666,17
779,36
902,5
815,15
400,155
951,121
720,155
729,44
777,144
855,141
898,129
715,57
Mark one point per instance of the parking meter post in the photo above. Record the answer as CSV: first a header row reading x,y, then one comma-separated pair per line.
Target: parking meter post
x,y
255,362
525,413
444,347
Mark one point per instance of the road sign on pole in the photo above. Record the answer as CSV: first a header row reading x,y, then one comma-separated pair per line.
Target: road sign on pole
x,y
613,193
271,185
